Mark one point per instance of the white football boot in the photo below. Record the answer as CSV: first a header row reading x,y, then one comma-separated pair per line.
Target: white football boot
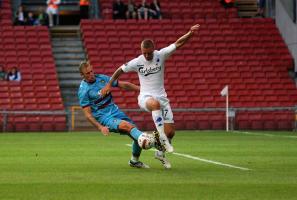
x,y
161,156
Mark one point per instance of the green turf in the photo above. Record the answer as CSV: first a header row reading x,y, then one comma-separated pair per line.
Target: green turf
x,y
62,166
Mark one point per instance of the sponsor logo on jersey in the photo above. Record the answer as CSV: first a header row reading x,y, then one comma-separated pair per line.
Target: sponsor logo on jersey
x,y
149,71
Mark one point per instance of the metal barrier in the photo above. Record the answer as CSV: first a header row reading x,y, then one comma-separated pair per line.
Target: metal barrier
x,y
78,119
75,116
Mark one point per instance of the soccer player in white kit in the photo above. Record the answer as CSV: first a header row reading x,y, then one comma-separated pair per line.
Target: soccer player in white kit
x,y
153,98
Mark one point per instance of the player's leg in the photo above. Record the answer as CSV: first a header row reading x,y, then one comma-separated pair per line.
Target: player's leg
x,y
50,17
134,133
160,155
123,124
167,113
153,105
169,130
128,127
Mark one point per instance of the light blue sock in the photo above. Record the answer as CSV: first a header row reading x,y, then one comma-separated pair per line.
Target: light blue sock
x,y
135,133
136,151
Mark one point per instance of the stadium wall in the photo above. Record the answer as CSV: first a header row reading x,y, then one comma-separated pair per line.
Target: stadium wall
x,y
288,29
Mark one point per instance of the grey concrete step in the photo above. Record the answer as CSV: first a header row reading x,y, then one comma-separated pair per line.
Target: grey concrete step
x,y
74,68
69,76
70,91
69,83
64,56
69,103
74,62
61,35
72,95
65,39
73,43
68,50
64,28
66,69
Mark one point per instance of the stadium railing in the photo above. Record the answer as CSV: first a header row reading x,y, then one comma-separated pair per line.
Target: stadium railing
x,y
182,115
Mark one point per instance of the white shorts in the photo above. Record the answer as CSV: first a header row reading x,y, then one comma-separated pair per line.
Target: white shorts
x,y
165,106
51,10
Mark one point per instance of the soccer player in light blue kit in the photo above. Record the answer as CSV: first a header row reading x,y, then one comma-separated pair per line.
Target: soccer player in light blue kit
x,y
103,113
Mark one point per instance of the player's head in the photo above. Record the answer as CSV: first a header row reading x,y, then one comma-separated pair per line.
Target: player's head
x,y
147,49
86,71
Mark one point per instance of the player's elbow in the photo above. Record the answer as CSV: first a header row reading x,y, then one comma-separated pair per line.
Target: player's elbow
x,y
178,45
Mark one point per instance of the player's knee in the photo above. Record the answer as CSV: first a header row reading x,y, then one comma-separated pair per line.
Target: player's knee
x,y
153,104
125,127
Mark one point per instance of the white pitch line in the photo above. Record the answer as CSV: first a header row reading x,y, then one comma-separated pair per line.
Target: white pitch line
x,y
205,160
265,134
210,161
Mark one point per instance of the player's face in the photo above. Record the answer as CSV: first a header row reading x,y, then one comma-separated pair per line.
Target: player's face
x,y
88,74
148,53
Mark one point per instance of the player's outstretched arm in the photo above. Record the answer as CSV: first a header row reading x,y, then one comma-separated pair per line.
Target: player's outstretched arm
x,y
115,76
183,39
88,113
128,86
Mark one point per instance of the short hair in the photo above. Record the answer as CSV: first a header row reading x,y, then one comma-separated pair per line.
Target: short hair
x,y
84,64
147,43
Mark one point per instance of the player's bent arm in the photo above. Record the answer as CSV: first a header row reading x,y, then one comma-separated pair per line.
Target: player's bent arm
x,y
88,113
183,39
128,86
114,77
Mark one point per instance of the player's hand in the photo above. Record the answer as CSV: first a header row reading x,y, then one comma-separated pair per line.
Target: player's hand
x,y
104,130
105,91
194,28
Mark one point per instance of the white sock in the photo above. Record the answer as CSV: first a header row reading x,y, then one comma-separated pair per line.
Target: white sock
x,y
134,158
159,121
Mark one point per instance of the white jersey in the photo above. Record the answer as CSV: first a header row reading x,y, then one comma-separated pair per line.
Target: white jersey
x,y
151,73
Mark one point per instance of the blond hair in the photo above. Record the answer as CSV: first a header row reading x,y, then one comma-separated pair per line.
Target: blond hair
x,y
84,64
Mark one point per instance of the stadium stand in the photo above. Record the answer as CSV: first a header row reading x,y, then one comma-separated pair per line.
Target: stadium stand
x,y
5,14
181,9
249,55
31,101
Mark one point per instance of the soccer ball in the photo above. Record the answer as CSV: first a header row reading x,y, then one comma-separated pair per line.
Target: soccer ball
x,y
146,141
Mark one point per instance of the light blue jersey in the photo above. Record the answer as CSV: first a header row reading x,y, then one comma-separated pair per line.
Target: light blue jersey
x,y
104,110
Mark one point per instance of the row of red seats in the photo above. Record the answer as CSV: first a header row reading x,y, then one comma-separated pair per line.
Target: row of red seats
x,y
29,49
204,63
35,123
5,14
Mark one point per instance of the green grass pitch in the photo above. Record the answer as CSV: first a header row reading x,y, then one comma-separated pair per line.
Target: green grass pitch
x,y
87,165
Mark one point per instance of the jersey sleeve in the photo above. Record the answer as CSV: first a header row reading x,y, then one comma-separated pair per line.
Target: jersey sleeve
x,y
83,97
130,66
167,51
